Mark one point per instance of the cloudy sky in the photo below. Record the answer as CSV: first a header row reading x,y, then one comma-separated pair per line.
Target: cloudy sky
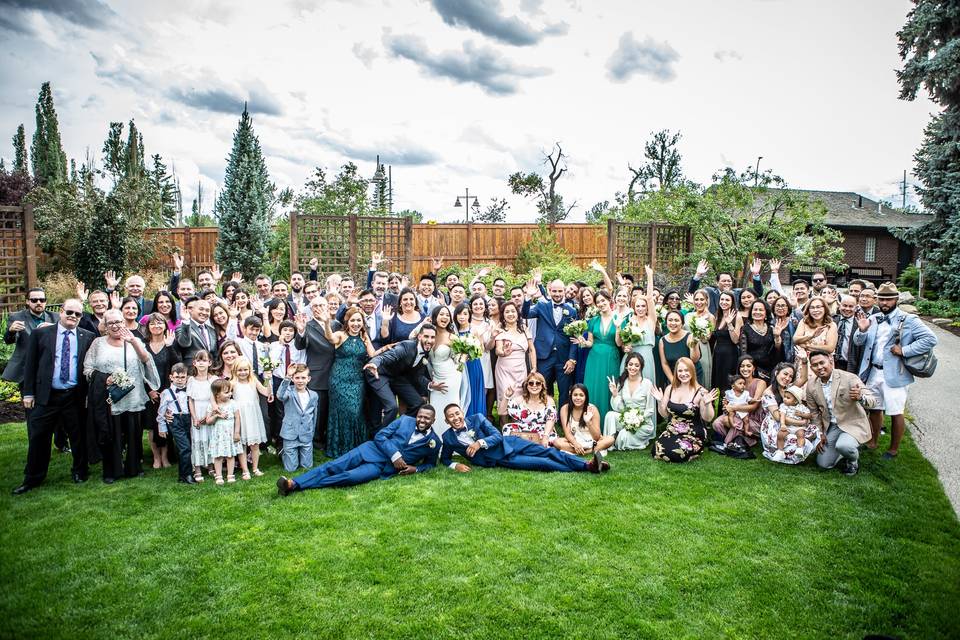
x,y
458,94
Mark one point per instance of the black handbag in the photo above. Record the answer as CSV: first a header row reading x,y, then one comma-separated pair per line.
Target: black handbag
x,y
922,365
115,393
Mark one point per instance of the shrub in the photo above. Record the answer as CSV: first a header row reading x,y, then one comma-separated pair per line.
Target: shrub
x,y
541,251
938,308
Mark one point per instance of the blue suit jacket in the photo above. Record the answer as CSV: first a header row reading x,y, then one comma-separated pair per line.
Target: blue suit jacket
x,y
497,447
298,422
394,438
551,340
915,339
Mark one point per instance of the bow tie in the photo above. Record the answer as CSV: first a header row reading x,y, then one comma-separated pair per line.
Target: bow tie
x,y
883,318
558,306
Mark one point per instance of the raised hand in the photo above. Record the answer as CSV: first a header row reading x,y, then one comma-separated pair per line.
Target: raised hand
x,y
237,277
177,262
301,321
436,264
82,292
537,275
257,305
387,313
710,397
111,279
314,264
779,326
376,259
234,309
702,267
115,299
656,393
216,272
404,281
126,335
863,322
688,297
483,272
612,385
596,266
755,266
775,265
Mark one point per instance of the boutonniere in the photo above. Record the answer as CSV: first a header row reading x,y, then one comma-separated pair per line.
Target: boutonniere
x,y
472,433
566,312
432,443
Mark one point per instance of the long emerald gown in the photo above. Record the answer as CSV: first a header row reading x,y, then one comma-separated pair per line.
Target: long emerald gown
x,y
603,361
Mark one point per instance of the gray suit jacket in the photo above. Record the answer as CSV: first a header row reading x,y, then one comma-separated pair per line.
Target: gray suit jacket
x,y
15,367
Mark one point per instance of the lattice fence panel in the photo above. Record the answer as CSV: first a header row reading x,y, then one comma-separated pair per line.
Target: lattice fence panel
x,y
631,246
344,244
13,278
672,248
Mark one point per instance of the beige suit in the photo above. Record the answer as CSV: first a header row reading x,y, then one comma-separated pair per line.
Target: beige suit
x,y
851,415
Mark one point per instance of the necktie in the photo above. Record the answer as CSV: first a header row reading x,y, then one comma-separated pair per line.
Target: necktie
x,y
65,358
202,332
842,338
286,357
426,307
256,360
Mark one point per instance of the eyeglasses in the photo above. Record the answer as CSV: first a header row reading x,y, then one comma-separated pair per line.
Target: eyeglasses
x,y
114,323
819,280
35,300
534,383
72,314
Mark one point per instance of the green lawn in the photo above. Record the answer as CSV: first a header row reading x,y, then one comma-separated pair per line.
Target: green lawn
x,y
719,548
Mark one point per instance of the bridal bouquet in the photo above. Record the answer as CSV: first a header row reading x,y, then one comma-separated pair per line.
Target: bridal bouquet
x,y
591,312
465,348
266,364
630,335
575,329
700,328
632,420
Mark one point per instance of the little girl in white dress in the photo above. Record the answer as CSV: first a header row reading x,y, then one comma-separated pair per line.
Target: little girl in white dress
x,y
225,432
246,388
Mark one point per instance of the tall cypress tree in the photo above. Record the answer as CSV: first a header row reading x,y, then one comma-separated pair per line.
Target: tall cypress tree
x,y
243,207
20,151
49,159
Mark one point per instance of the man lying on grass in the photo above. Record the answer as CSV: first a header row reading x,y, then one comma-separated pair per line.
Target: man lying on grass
x,y
480,442
405,446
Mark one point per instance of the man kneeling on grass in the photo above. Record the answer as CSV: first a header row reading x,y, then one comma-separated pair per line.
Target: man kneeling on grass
x,y
477,440
405,446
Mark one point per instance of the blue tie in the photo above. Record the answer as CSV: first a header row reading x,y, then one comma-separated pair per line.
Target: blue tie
x,y
65,358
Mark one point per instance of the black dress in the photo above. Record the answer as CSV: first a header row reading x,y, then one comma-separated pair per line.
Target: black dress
x,y
761,347
725,355
164,360
685,436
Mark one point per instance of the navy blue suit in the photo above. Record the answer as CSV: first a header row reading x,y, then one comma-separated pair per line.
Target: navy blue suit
x,y
510,452
373,460
552,344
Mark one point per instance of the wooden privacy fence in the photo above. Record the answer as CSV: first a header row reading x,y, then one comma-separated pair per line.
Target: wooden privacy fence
x,y
344,244
18,256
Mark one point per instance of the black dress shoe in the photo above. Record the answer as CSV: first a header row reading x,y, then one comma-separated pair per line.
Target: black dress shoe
x,y
108,481
284,486
22,489
78,478
187,480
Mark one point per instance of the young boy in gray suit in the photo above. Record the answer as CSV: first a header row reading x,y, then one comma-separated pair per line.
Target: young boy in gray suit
x,y
299,418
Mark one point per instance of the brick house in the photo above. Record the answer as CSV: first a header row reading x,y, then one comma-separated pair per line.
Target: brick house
x,y
872,251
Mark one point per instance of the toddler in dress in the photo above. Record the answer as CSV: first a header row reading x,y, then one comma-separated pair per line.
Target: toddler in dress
x,y
737,394
225,434
794,420
253,431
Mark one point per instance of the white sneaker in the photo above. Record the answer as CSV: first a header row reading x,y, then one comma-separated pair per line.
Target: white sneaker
x,y
779,456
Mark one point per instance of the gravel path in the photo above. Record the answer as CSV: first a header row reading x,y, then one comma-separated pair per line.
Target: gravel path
x,y
934,404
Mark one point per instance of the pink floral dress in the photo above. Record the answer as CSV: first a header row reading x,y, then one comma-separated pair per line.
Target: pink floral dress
x,y
526,420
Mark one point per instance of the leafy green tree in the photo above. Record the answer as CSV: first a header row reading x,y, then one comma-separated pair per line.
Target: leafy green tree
x,y
244,206
543,189
495,212
20,163
733,221
661,170
415,216
929,45
599,212
167,191
345,195
114,152
49,159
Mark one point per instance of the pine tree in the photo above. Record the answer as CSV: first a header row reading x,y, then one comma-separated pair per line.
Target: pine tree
x,y
166,189
49,159
113,152
930,48
20,164
243,207
133,160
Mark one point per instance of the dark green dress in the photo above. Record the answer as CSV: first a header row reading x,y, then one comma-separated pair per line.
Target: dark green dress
x,y
602,362
346,428
673,351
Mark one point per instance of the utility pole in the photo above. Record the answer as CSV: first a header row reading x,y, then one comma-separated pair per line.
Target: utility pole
x,y
904,206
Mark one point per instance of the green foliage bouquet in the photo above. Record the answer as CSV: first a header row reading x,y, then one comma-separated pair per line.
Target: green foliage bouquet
x,y
630,335
575,329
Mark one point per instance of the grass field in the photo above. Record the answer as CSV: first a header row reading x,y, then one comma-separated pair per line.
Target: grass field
x,y
719,548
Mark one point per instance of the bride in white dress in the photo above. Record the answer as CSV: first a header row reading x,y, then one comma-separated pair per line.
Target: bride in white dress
x,y
443,369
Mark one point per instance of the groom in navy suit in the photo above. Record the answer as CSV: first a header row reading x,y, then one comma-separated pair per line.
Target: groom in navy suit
x,y
405,446
475,439
556,358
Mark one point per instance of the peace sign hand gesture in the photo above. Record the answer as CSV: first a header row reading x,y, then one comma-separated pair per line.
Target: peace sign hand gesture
x,y
612,385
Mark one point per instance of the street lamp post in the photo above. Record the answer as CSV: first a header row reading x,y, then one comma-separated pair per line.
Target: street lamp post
x,y
756,172
466,203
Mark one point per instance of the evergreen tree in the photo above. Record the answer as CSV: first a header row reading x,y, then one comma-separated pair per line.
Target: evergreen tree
x,y
166,189
20,151
49,159
243,207
113,152
133,158
930,48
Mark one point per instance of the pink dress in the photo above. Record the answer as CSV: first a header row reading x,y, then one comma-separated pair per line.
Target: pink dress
x,y
511,369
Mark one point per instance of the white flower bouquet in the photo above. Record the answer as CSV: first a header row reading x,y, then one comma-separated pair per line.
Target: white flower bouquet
x,y
632,420
266,364
700,328
575,329
630,335
465,348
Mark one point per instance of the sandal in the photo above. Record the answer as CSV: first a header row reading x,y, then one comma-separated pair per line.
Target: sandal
x,y
245,476
231,478
257,472
198,476
219,480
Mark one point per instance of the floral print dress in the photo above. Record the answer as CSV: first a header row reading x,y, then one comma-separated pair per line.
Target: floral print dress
x,y
685,436
526,420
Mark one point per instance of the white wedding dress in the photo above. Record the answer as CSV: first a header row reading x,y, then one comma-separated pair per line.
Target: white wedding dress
x,y
443,368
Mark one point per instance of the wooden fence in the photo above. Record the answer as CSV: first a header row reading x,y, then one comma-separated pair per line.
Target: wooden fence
x,y
18,256
196,244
